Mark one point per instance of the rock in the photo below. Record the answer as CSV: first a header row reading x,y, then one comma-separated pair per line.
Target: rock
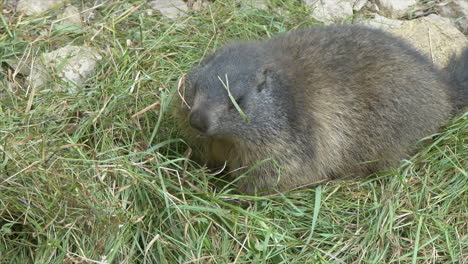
x,y
71,17
359,4
149,12
437,17
256,4
436,38
200,5
33,7
381,22
395,8
39,76
453,8
372,7
10,5
88,16
169,8
457,12
73,64
21,66
329,11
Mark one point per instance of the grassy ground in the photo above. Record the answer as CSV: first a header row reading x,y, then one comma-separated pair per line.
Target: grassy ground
x,y
85,180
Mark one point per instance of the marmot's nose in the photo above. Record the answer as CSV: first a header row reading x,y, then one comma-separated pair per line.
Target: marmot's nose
x,y
199,120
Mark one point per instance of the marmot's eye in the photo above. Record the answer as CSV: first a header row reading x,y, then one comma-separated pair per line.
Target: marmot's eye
x,y
239,101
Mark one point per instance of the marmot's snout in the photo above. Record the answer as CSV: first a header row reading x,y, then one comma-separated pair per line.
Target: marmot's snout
x,y
199,120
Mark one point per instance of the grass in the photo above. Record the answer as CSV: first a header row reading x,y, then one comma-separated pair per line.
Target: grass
x,y
91,178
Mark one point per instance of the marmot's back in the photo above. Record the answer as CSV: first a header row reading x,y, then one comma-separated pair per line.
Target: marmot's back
x,y
323,103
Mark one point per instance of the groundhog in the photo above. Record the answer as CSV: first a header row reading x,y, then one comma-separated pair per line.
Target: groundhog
x,y
314,105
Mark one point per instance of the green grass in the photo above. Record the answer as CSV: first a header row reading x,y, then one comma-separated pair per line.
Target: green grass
x,y
84,181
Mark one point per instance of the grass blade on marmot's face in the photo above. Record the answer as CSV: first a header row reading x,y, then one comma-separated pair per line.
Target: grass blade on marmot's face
x,y
236,105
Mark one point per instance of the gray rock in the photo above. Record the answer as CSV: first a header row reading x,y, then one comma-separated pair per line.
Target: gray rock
x,y
329,11
359,4
71,17
436,38
457,11
169,8
32,7
257,4
10,4
22,66
395,8
73,64
453,8
381,22
199,5
371,6
437,17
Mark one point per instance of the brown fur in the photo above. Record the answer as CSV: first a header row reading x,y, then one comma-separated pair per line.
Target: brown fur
x,y
324,103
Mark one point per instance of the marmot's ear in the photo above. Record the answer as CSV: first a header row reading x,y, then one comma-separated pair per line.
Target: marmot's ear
x,y
265,77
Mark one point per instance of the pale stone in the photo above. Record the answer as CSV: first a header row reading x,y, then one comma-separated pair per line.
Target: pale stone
x,y
257,4
395,8
437,17
73,64
20,66
71,17
32,7
457,12
381,22
359,4
10,5
435,38
330,11
200,5
169,8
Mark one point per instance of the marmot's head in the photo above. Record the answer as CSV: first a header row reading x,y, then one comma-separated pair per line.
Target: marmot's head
x,y
237,94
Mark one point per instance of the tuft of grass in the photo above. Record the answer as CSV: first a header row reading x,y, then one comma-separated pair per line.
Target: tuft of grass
x,y
101,177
